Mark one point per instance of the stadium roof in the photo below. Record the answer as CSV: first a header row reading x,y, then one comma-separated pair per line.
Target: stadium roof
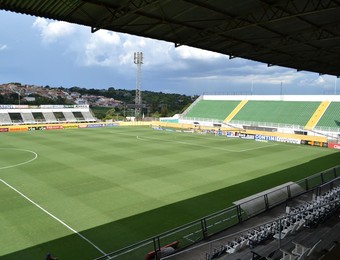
x,y
299,34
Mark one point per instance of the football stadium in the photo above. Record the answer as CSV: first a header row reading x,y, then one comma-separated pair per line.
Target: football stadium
x,y
79,187
232,177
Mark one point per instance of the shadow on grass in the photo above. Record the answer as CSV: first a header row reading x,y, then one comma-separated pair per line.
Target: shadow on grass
x,y
119,234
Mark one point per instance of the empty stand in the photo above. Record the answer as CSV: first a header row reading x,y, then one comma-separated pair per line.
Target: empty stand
x,y
38,117
11,114
59,115
212,109
331,117
16,117
88,116
49,117
79,116
5,118
28,117
317,115
235,111
69,116
192,105
285,112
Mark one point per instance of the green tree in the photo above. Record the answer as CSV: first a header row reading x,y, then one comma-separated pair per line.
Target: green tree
x,y
164,110
156,115
111,112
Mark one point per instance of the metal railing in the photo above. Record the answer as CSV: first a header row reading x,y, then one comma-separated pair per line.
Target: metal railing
x,y
201,119
327,129
191,106
267,124
201,229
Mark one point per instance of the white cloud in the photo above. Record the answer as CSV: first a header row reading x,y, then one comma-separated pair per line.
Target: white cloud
x,y
100,49
110,49
114,51
118,53
287,78
52,31
130,44
325,82
157,54
3,47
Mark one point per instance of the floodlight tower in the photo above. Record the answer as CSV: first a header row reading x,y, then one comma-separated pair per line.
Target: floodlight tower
x,y
138,60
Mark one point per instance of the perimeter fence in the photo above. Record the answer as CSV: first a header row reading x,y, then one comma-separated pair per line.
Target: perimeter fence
x,y
199,230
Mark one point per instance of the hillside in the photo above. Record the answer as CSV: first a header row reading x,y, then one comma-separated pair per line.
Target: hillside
x,y
120,102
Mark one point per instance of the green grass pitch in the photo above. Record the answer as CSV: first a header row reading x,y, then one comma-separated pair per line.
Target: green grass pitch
x,y
78,193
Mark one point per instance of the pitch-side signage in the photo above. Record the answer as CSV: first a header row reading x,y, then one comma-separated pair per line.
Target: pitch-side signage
x,y
333,145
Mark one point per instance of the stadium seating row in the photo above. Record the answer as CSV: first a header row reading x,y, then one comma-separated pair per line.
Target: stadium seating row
x,y
28,117
307,215
278,112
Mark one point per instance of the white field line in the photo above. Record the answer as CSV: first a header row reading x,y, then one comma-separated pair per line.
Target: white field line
x,y
40,207
15,165
250,149
205,146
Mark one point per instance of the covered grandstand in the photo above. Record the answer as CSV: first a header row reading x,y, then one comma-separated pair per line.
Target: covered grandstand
x,y
306,227
50,114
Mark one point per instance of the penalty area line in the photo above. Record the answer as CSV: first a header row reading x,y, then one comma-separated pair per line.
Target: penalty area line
x,y
54,217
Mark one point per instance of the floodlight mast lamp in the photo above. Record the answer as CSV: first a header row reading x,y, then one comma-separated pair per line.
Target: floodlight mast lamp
x,y
138,60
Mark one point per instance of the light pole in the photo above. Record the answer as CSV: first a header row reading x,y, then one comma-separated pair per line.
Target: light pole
x,y
138,60
18,97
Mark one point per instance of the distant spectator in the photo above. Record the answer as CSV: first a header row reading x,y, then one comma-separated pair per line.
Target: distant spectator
x,y
50,257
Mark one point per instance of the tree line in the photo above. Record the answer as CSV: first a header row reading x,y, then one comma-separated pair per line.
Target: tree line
x,y
154,104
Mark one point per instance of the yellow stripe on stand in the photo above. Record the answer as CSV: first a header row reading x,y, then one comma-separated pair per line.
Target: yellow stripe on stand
x,y
235,111
317,115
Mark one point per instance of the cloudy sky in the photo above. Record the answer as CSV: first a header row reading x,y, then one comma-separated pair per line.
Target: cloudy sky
x,y
44,52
